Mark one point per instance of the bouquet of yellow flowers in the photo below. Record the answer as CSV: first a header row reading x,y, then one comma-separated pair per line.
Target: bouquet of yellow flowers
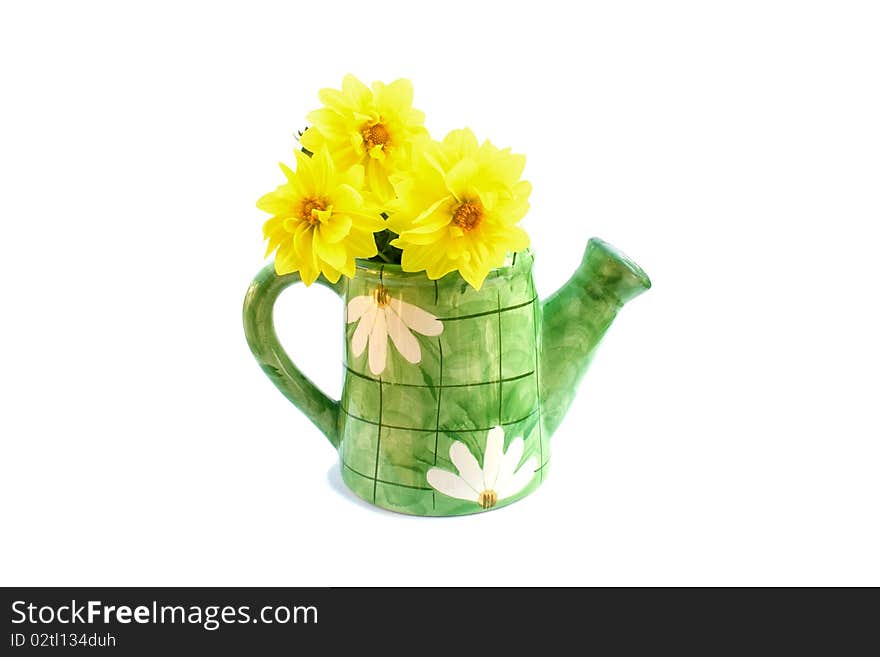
x,y
371,183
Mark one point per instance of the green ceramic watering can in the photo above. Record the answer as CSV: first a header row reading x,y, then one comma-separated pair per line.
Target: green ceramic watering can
x,y
450,394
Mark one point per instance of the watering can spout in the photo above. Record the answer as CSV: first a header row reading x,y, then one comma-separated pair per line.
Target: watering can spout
x,y
576,316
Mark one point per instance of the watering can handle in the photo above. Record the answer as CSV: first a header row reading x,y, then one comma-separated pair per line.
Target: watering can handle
x,y
259,328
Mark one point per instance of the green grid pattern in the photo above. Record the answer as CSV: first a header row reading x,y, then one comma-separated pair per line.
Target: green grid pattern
x,y
384,425
481,371
441,384
542,460
437,425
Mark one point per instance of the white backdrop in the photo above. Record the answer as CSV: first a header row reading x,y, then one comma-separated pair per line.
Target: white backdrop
x,y
727,432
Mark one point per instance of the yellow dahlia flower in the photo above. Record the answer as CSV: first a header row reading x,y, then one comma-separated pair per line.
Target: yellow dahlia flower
x,y
375,128
458,207
321,219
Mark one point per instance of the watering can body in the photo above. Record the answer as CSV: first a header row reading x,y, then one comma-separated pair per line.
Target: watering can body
x,y
450,394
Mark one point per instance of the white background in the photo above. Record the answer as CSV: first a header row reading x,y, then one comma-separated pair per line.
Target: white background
x,y
727,432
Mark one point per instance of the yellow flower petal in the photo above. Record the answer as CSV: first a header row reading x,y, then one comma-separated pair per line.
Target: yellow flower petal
x,y
377,180
327,122
320,223
312,139
345,198
398,94
279,203
335,99
347,113
330,273
335,229
459,179
465,218
431,216
354,176
412,237
288,172
356,91
461,143
305,174
517,239
332,254
323,216
413,258
372,223
361,243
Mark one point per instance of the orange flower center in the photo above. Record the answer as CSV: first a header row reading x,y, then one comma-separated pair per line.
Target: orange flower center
x,y
468,215
375,135
309,204
487,499
381,296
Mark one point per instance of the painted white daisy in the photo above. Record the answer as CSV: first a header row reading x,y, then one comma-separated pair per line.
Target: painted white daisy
x,y
382,316
498,479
